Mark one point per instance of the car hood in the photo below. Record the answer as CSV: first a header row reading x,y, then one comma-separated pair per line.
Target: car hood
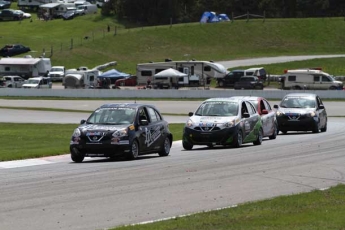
x,y
101,128
296,110
56,72
212,120
30,85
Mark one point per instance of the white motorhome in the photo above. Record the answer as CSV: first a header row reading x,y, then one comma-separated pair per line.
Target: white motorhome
x,y
197,71
38,83
25,67
313,79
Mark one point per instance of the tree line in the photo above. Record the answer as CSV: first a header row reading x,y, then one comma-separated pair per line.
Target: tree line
x,y
160,12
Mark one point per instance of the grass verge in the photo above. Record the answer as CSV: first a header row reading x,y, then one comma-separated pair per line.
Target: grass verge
x,y
317,210
25,141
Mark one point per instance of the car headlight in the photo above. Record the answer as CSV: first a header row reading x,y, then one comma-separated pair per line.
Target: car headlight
x,y
76,133
311,114
120,133
189,123
279,113
229,124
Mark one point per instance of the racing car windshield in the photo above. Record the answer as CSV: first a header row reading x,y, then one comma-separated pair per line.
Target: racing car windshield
x,y
112,116
217,108
298,102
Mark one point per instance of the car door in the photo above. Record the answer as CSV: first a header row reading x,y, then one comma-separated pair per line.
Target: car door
x,y
143,129
252,120
269,119
321,112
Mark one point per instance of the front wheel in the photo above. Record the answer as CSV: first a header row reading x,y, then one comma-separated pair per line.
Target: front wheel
x,y
258,140
165,148
76,155
238,139
187,145
134,151
324,129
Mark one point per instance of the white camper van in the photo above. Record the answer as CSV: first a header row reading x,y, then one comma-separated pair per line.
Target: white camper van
x,y
86,9
197,72
313,79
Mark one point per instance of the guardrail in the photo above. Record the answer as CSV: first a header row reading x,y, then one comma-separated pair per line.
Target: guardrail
x,y
157,93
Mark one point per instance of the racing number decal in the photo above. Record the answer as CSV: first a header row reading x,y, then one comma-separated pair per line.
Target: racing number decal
x,y
152,134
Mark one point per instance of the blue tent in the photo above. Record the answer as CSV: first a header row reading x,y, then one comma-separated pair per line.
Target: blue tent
x,y
223,17
208,17
113,73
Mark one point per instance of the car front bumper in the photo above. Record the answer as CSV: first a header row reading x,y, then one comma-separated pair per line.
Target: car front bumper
x,y
302,123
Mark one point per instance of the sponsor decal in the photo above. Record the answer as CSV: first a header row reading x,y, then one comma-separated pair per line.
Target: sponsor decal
x,y
152,135
93,134
118,141
131,127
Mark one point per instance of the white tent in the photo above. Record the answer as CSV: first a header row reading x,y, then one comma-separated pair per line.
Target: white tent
x,y
170,73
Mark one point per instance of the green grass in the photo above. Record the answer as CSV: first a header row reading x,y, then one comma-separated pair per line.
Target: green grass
x,y
221,41
317,210
39,140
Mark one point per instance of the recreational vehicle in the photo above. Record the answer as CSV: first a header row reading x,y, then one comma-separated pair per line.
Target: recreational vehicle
x,y
25,67
33,4
309,79
197,72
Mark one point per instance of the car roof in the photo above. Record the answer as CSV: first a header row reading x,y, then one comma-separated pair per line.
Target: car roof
x,y
248,98
300,95
121,105
229,99
255,68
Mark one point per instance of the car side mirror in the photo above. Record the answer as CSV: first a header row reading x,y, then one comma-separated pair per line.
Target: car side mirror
x,y
264,111
246,115
190,114
275,106
82,121
321,106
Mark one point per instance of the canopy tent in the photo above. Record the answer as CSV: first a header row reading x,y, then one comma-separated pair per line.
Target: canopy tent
x,y
170,73
113,73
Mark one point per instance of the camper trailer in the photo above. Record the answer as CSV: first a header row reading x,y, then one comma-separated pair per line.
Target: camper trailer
x,y
84,78
25,67
197,72
33,4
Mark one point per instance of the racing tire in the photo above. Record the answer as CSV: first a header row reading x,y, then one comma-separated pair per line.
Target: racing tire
x,y
274,134
134,151
258,140
187,145
165,148
284,132
77,156
316,129
324,129
210,145
238,139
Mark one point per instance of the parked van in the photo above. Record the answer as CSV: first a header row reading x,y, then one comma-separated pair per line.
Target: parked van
x,y
86,9
259,72
38,83
309,79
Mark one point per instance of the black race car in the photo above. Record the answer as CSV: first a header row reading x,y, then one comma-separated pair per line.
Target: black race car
x,y
127,130
301,112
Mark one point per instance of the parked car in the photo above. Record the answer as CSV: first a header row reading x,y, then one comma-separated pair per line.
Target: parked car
x,y
38,83
301,112
57,73
13,49
249,83
25,15
230,78
129,81
10,15
2,83
69,14
13,81
259,72
223,121
267,113
122,129
5,4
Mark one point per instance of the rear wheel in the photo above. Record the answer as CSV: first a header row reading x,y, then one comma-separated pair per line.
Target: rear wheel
x,y
284,132
258,140
134,151
187,145
221,83
238,139
165,148
275,133
210,145
332,88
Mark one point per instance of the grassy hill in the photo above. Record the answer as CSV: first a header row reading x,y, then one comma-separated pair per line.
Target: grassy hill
x,y
221,41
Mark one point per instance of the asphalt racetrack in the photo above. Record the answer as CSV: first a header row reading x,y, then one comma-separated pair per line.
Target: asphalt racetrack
x,y
54,193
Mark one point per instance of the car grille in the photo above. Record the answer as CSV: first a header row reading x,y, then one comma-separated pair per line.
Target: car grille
x,y
207,129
